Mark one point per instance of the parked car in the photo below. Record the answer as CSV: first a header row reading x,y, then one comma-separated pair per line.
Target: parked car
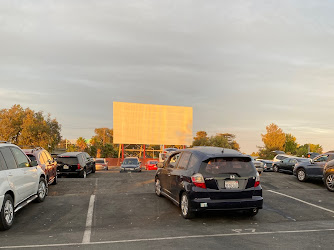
x,y
45,161
101,164
328,175
258,165
209,178
312,155
21,181
267,165
280,157
288,164
74,163
90,160
151,165
312,169
166,152
131,164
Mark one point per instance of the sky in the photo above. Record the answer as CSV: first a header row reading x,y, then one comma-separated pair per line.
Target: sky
x,y
241,65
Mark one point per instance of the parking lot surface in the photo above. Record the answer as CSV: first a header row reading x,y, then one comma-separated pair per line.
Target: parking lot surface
x,y
112,210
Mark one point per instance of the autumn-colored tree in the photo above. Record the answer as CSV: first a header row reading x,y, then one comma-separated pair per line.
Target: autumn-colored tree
x,y
316,148
201,139
290,144
27,127
81,144
274,139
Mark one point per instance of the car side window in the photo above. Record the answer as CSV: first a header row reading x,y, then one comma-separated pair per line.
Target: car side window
x,y
173,161
192,161
9,158
2,163
183,162
42,158
48,156
321,158
21,158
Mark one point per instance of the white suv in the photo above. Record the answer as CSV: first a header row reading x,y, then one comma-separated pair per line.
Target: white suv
x,y
21,182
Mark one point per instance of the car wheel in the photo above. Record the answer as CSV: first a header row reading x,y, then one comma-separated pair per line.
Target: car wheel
x,y
301,175
252,212
329,182
158,187
83,173
42,190
55,180
185,207
7,213
275,168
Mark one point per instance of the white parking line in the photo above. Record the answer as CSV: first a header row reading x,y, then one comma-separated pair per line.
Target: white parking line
x,y
305,202
172,238
88,231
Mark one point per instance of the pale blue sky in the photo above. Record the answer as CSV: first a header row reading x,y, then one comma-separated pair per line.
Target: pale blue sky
x,y
240,64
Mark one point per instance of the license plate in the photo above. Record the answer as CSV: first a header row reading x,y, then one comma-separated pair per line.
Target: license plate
x,y
65,167
231,184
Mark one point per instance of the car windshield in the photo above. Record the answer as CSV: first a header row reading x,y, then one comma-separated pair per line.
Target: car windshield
x,y
31,157
130,162
216,167
67,160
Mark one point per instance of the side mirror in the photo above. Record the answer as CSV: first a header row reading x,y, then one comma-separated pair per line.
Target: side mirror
x,y
160,165
311,161
33,164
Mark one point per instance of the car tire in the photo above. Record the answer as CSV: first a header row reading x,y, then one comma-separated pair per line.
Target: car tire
x,y
329,182
7,213
275,168
157,187
301,175
83,174
185,207
93,169
42,190
55,180
252,212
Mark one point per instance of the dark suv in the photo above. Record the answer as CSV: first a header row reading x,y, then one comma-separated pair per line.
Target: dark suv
x,y
45,161
209,178
75,163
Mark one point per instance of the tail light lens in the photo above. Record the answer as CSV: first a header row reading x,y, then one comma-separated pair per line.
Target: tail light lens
x,y
198,180
79,166
257,180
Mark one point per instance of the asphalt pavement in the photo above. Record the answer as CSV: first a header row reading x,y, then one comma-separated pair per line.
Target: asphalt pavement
x,y
112,210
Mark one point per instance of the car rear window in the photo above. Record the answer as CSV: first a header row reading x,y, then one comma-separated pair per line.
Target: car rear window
x,y
67,160
130,162
99,161
215,167
153,162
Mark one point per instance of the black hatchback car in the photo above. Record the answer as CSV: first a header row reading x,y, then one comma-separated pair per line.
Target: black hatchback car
x,y
75,163
209,178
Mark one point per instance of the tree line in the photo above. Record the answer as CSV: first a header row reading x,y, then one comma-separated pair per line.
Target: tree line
x,y
26,127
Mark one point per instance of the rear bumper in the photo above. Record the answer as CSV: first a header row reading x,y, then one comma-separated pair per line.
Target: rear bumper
x,y
100,167
77,172
202,204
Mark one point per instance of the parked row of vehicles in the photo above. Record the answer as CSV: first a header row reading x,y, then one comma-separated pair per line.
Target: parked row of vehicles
x,y
26,174
319,167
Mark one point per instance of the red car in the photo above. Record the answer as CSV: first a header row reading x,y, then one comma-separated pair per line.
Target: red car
x,y
151,165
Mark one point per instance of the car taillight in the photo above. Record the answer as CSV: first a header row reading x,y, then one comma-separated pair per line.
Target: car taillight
x,y
79,166
198,180
257,180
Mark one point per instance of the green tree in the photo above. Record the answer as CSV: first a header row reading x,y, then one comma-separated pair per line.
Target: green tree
x,y
302,150
290,144
274,139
